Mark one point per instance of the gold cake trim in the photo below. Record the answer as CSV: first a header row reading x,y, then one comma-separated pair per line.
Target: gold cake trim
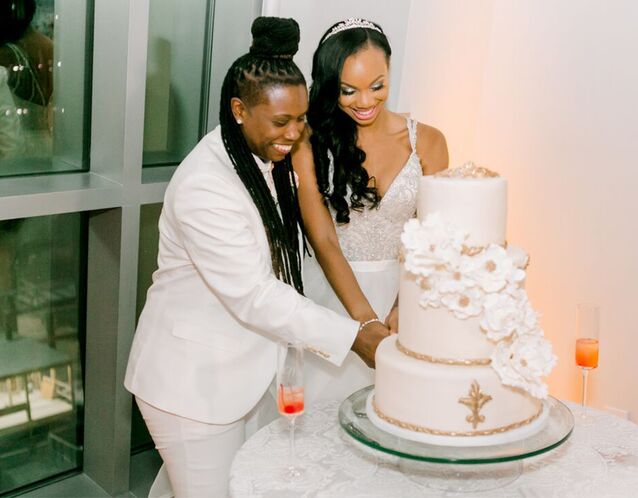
x,y
438,432
466,251
474,250
475,400
442,361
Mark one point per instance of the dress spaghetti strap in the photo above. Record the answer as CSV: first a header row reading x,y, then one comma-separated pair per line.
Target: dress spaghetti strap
x,y
412,124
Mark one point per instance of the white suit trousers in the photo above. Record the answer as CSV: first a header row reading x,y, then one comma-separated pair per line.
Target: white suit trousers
x,y
197,456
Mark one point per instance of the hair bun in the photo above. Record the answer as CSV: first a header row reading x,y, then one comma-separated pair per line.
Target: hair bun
x,y
274,37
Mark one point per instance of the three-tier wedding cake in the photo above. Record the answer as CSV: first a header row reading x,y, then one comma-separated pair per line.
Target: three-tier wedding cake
x,y
467,364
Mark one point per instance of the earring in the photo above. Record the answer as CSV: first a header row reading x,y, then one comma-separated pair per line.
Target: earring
x,y
239,121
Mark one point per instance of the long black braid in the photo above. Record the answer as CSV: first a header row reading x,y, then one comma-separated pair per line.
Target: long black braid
x,y
269,63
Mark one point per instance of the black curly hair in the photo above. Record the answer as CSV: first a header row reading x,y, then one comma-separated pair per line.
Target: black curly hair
x,y
268,64
333,131
15,18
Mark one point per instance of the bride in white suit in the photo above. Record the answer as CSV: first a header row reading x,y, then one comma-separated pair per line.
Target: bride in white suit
x,y
228,286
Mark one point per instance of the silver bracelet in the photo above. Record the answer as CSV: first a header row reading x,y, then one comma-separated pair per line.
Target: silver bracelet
x,y
367,322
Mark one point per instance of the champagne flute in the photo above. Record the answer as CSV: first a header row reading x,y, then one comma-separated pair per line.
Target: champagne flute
x,y
587,344
290,396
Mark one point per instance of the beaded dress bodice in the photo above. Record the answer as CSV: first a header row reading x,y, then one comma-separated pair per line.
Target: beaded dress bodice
x,y
375,234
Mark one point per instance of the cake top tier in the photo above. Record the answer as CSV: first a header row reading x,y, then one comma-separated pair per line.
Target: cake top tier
x,y
471,198
468,170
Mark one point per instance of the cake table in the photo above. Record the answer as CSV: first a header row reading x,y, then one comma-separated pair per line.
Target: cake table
x,y
600,459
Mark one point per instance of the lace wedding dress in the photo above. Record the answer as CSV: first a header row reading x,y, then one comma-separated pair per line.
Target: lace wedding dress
x,y
370,243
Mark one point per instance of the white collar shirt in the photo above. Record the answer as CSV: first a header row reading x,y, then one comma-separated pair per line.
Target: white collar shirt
x,y
266,169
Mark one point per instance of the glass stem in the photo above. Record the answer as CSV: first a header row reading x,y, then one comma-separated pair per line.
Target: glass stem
x,y
585,376
292,442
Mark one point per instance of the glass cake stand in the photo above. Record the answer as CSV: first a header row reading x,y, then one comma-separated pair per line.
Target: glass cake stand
x,y
456,468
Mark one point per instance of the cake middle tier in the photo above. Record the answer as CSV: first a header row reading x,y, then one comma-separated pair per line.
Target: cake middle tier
x,y
446,400
436,332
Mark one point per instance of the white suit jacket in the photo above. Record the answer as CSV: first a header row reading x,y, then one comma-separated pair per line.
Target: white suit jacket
x,y
206,342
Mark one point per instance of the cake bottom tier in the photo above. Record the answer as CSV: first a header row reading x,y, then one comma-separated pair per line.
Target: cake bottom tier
x,y
448,401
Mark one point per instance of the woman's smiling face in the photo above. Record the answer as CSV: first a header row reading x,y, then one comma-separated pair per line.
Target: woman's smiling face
x,y
273,124
363,87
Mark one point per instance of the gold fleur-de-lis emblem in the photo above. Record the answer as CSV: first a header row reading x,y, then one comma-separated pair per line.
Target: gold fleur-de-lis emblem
x,y
475,401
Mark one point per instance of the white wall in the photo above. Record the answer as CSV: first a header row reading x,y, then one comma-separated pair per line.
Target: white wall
x,y
316,17
545,93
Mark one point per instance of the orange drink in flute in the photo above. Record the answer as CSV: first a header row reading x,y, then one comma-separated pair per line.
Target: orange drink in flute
x,y
587,352
587,343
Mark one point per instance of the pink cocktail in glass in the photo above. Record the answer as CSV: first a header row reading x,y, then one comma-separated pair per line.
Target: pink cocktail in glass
x,y
290,400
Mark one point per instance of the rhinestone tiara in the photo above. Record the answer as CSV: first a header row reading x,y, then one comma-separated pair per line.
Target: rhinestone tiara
x,y
351,23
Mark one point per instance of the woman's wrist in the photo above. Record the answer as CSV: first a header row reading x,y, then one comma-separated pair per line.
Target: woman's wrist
x,y
363,324
363,314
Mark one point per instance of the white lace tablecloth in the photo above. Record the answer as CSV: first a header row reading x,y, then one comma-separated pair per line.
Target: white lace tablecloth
x,y
599,460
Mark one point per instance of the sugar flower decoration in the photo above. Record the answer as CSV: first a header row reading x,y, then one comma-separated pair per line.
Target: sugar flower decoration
x,y
523,362
484,282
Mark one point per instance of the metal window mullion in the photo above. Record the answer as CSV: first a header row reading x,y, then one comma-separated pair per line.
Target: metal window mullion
x,y
119,83
117,127
113,242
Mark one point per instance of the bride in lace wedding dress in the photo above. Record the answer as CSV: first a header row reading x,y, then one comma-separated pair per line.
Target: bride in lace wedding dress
x,y
358,176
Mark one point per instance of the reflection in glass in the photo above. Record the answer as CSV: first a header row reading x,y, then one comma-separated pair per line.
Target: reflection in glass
x,y
41,343
175,76
41,125
147,264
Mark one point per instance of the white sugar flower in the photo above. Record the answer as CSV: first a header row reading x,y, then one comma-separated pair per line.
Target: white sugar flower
x,y
513,288
507,313
454,281
516,276
492,268
419,244
519,256
429,295
413,235
442,232
528,320
424,235
523,362
501,316
418,263
430,245
429,300
466,304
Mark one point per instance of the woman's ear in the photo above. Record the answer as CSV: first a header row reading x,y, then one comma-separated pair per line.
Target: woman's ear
x,y
238,109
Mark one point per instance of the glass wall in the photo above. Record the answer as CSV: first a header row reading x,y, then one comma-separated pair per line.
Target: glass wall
x,y
43,124
42,86
175,80
41,346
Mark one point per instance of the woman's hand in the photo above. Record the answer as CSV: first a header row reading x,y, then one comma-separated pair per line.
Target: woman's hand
x,y
367,340
392,320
